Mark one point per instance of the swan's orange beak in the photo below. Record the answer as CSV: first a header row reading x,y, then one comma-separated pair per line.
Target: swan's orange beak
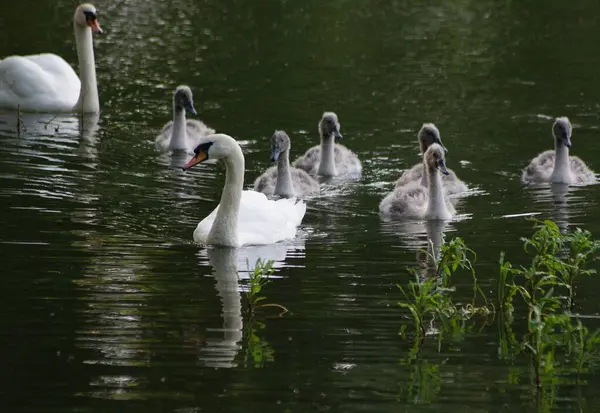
x,y
201,156
95,26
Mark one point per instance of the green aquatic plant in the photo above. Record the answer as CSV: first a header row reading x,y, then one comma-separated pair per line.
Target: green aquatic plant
x,y
546,287
259,277
429,300
258,350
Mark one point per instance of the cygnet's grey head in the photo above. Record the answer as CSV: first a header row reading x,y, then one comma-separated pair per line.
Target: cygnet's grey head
x,y
85,16
280,142
183,99
330,126
562,131
434,158
428,135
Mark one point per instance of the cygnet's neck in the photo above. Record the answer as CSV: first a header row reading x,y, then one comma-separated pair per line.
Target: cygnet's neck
x,y
562,165
436,208
284,186
424,175
179,131
327,164
88,94
224,229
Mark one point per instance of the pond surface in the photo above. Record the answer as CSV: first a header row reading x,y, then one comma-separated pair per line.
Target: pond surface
x,y
106,304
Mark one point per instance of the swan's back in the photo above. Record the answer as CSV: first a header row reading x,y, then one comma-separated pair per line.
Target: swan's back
x,y
196,131
346,161
540,168
408,201
260,220
452,184
303,183
38,82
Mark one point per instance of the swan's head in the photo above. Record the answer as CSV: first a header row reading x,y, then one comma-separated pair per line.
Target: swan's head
x,y
184,100
217,146
562,131
435,159
428,135
280,142
330,126
85,16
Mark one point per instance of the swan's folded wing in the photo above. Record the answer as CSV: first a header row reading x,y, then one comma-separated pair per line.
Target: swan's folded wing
x,y
264,221
581,172
267,181
413,174
346,161
540,168
29,79
310,160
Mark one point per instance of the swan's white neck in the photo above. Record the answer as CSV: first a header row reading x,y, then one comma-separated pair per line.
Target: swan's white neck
x,y
224,229
179,131
562,167
436,208
88,94
284,186
327,164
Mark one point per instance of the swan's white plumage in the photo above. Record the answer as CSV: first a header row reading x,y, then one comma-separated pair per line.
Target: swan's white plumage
x,y
43,82
242,217
46,82
260,220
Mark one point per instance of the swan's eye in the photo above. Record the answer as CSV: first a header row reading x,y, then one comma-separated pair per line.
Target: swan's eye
x,y
90,16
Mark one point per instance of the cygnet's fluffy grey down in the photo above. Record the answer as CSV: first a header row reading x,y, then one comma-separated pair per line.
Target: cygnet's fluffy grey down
x,y
284,180
428,135
557,166
415,201
181,134
329,158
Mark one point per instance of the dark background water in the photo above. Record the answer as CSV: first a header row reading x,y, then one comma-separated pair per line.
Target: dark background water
x,y
106,304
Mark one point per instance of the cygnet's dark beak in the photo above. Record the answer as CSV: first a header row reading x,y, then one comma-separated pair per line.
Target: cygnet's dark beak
x,y
442,167
337,134
275,155
444,148
567,140
189,107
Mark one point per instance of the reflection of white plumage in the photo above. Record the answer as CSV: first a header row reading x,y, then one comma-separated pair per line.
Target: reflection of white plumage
x,y
557,166
180,134
282,179
46,83
329,158
242,217
414,201
428,135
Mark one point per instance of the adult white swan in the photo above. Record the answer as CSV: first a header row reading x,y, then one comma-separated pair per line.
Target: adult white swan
x,y
557,166
242,217
46,83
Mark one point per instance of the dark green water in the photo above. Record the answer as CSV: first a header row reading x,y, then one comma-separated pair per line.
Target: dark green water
x,y
106,304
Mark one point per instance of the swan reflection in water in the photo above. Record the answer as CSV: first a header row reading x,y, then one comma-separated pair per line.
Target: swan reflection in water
x,y
566,202
425,237
41,133
230,265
